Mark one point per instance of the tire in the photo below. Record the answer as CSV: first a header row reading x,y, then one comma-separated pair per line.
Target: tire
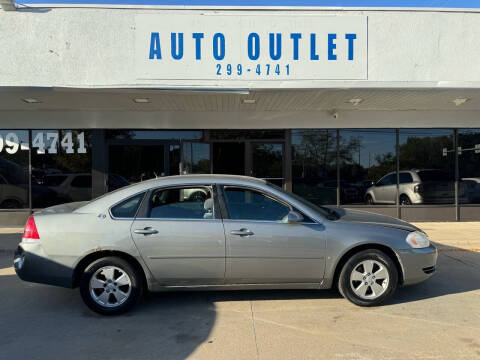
x,y
354,275
405,200
11,204
369,200
116,298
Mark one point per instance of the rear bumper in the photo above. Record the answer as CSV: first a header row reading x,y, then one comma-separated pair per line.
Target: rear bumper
x,y
31,266
418,264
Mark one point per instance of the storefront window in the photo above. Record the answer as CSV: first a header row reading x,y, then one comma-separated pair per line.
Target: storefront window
x,y
128,164
367,161
14,149
428,156
314,165
469,166
61,167
247,134
154,134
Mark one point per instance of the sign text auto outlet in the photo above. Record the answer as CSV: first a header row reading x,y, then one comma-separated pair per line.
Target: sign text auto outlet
x,y
250,47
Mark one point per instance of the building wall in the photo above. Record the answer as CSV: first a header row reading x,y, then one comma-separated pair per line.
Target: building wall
x,y
96,48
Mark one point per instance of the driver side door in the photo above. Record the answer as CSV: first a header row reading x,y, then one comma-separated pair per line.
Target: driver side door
x,y
263,249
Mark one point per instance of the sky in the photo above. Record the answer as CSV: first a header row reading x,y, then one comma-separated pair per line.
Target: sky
x,y
473,4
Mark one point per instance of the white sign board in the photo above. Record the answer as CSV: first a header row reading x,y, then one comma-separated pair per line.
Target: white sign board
x,y
250,47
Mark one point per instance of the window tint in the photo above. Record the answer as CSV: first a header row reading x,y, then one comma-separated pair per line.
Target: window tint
x,y
365,157
388,180
405,178
243,204
468,164
182,203
127,208
430,154
83,181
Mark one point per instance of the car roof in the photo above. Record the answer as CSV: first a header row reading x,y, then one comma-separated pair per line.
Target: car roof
x,y
133,189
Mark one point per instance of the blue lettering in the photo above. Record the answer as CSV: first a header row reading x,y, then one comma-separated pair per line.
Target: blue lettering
x,y
253,50
350,38
295,37
332,46
155,46
218,55
275,55
177,55
198,45
313,45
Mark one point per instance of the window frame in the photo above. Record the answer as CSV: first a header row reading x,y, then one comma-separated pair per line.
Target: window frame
x,y
125,199
226,215
144,208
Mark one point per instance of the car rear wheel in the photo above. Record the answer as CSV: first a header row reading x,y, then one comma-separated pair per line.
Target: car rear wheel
x,y
369,200
368,278
111,286
405,200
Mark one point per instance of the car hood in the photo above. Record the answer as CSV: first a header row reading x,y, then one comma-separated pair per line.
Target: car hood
x,y
364,217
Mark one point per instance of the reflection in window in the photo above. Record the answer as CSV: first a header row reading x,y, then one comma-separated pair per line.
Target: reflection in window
x,y
267,162
14,150
366,156
314,165
469,166
428,156
128,164
61,167
123,134
243,204
196,158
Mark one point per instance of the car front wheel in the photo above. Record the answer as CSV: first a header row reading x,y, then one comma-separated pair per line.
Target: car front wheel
x,y
111,286
368,278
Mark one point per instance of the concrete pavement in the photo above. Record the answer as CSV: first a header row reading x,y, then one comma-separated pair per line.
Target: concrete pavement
x,y
438,319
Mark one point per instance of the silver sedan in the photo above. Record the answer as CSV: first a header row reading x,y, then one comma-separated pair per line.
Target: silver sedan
x,y
217,232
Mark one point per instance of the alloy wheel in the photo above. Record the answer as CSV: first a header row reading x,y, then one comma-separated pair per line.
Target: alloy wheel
x,y
369,279
110,286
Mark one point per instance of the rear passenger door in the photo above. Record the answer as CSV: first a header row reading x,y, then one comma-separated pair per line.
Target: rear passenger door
x,y
180,236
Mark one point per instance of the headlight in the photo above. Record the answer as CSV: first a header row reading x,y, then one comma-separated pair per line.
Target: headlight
x,y
417,240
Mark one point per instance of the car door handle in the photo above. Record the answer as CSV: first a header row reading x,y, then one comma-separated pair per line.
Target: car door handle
x,y
146,231
241,232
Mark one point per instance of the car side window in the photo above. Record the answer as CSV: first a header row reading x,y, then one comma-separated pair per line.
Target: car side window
x,y
387,180
127,209
182,203
246,204
405,178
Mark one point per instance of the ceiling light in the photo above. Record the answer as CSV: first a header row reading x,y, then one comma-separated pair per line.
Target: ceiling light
x,y
355,102
31,101
460,101
141,100
249,101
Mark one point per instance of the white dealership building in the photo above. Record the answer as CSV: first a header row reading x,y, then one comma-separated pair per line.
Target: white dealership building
x,y
369,108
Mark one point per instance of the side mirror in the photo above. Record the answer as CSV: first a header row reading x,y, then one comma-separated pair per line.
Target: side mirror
x,y
293,217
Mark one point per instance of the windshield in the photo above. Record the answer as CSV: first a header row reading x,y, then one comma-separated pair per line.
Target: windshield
x,y
325,211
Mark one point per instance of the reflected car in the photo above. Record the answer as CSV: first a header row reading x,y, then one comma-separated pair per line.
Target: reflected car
x,y
416,186
244,234
70,187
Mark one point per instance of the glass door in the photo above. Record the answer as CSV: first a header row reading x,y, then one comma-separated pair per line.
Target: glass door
x,y
196,158
267,162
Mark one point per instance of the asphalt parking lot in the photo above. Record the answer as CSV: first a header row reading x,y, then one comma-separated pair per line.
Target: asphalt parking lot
x,y
438,319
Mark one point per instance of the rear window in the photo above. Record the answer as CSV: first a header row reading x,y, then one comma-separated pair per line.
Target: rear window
x,y
405,178
434,175
127,209
54,180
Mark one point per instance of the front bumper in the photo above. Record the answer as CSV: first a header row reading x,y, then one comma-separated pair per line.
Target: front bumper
x,y
418,264
31,265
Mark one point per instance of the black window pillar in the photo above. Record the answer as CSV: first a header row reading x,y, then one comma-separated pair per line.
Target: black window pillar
x,y
99,163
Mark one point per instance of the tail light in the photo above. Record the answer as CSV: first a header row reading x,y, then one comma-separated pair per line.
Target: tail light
x,y
418,189
30,233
